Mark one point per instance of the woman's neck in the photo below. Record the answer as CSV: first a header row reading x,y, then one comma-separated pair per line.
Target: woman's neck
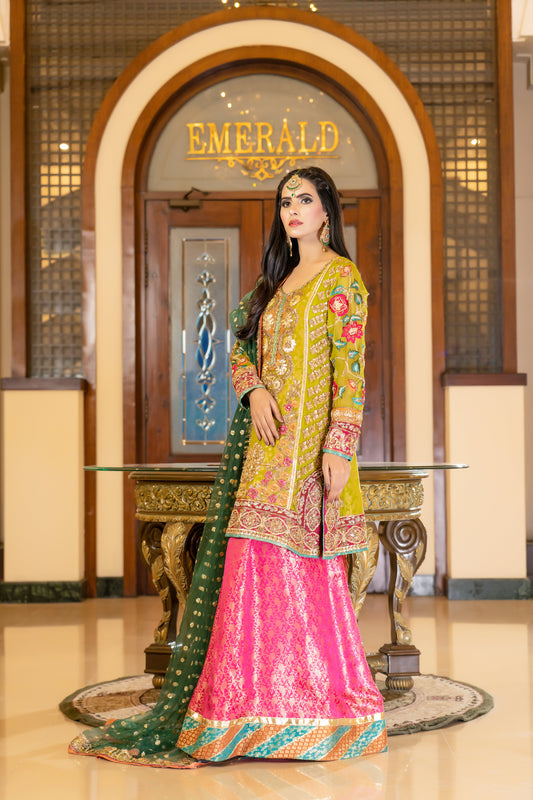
x,y
312,253
312,261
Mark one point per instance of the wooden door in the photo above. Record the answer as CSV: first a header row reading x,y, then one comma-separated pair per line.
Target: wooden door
x,y
250,219
182,245
242,225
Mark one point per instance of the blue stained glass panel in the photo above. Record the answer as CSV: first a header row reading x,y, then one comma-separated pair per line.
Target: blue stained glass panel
x,y
204,280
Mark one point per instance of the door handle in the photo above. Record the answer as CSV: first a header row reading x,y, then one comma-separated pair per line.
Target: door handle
x,y
184,204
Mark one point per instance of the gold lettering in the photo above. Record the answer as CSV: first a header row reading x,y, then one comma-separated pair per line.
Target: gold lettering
x,y
303,145
323,126
246,143
215,141
285,137
243,145
264,137
195,129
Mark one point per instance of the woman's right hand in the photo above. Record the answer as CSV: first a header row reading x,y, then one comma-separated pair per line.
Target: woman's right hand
x,y
265,412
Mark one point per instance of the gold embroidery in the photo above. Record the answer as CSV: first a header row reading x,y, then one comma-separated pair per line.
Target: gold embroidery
x,y
318,721
279,499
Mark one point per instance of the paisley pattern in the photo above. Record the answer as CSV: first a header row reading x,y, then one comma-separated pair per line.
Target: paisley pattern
x,y
313,364
285,675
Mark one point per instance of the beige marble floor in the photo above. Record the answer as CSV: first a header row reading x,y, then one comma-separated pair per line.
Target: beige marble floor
x,y
48,651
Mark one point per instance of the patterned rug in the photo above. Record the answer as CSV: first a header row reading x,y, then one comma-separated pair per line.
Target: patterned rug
x,y
433,702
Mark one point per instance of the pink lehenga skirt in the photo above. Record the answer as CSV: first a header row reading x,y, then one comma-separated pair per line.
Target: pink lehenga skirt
x,y
285,674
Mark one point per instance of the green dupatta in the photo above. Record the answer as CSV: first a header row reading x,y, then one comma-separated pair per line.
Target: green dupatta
x,y
150,738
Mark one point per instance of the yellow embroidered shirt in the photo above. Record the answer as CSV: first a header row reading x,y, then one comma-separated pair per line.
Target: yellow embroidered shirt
x,y
313,364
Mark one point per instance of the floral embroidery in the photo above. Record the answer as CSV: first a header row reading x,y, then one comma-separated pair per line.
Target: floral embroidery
x,y
313,363
347,357
345,270
339,304
353,331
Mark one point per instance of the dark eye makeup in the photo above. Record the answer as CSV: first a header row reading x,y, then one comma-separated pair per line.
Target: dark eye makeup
x,y
303,198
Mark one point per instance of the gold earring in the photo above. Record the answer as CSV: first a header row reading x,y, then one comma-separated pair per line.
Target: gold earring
x,y
289,242
325,235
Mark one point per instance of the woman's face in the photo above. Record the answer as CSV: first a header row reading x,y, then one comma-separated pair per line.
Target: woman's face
x,y
301,210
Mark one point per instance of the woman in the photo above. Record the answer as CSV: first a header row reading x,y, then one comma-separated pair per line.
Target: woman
x,y
278,671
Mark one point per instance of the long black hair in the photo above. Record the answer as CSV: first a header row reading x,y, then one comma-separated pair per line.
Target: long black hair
x,y
277,263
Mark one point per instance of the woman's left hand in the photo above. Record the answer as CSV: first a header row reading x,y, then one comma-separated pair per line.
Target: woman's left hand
x,y
336,471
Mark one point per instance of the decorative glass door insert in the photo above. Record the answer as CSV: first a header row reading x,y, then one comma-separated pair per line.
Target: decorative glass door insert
x,y
204,271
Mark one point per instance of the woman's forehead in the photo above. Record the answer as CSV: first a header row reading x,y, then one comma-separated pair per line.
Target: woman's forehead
x,y
306,187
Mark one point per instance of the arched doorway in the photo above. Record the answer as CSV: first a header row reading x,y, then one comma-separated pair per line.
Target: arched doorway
x,y
395,117
233,216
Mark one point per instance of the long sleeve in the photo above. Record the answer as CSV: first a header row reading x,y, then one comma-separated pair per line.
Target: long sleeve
x,y
243,372
347,313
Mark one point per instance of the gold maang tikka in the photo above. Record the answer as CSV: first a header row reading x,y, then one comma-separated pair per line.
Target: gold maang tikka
x,y
294,183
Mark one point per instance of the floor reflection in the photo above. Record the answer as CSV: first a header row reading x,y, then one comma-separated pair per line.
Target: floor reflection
x,y
48,651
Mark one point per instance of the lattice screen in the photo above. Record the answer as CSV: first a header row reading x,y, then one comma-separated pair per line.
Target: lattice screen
x,y
77,48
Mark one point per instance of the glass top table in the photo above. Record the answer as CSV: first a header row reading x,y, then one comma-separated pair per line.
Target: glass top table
x,y
209,466
171,503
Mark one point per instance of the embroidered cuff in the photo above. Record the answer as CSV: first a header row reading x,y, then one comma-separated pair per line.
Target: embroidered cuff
x,y
244,380
342,439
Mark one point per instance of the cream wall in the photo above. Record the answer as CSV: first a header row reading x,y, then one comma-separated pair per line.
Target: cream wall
x,y
43,485
41,443
486,502
417,255
5,232
523,100
5,259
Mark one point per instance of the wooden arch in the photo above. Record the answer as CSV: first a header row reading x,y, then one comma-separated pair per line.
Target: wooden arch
x,y
177,90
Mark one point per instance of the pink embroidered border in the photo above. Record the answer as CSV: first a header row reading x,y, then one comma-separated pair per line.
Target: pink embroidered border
x,y
342,438
244,380
268,523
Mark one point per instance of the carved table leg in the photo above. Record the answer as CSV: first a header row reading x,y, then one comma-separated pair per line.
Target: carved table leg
x,y
164,550
361,568
173,541
150,547
405,540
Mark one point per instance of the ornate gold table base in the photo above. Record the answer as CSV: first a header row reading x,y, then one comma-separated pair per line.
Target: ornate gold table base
x,y
172,505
